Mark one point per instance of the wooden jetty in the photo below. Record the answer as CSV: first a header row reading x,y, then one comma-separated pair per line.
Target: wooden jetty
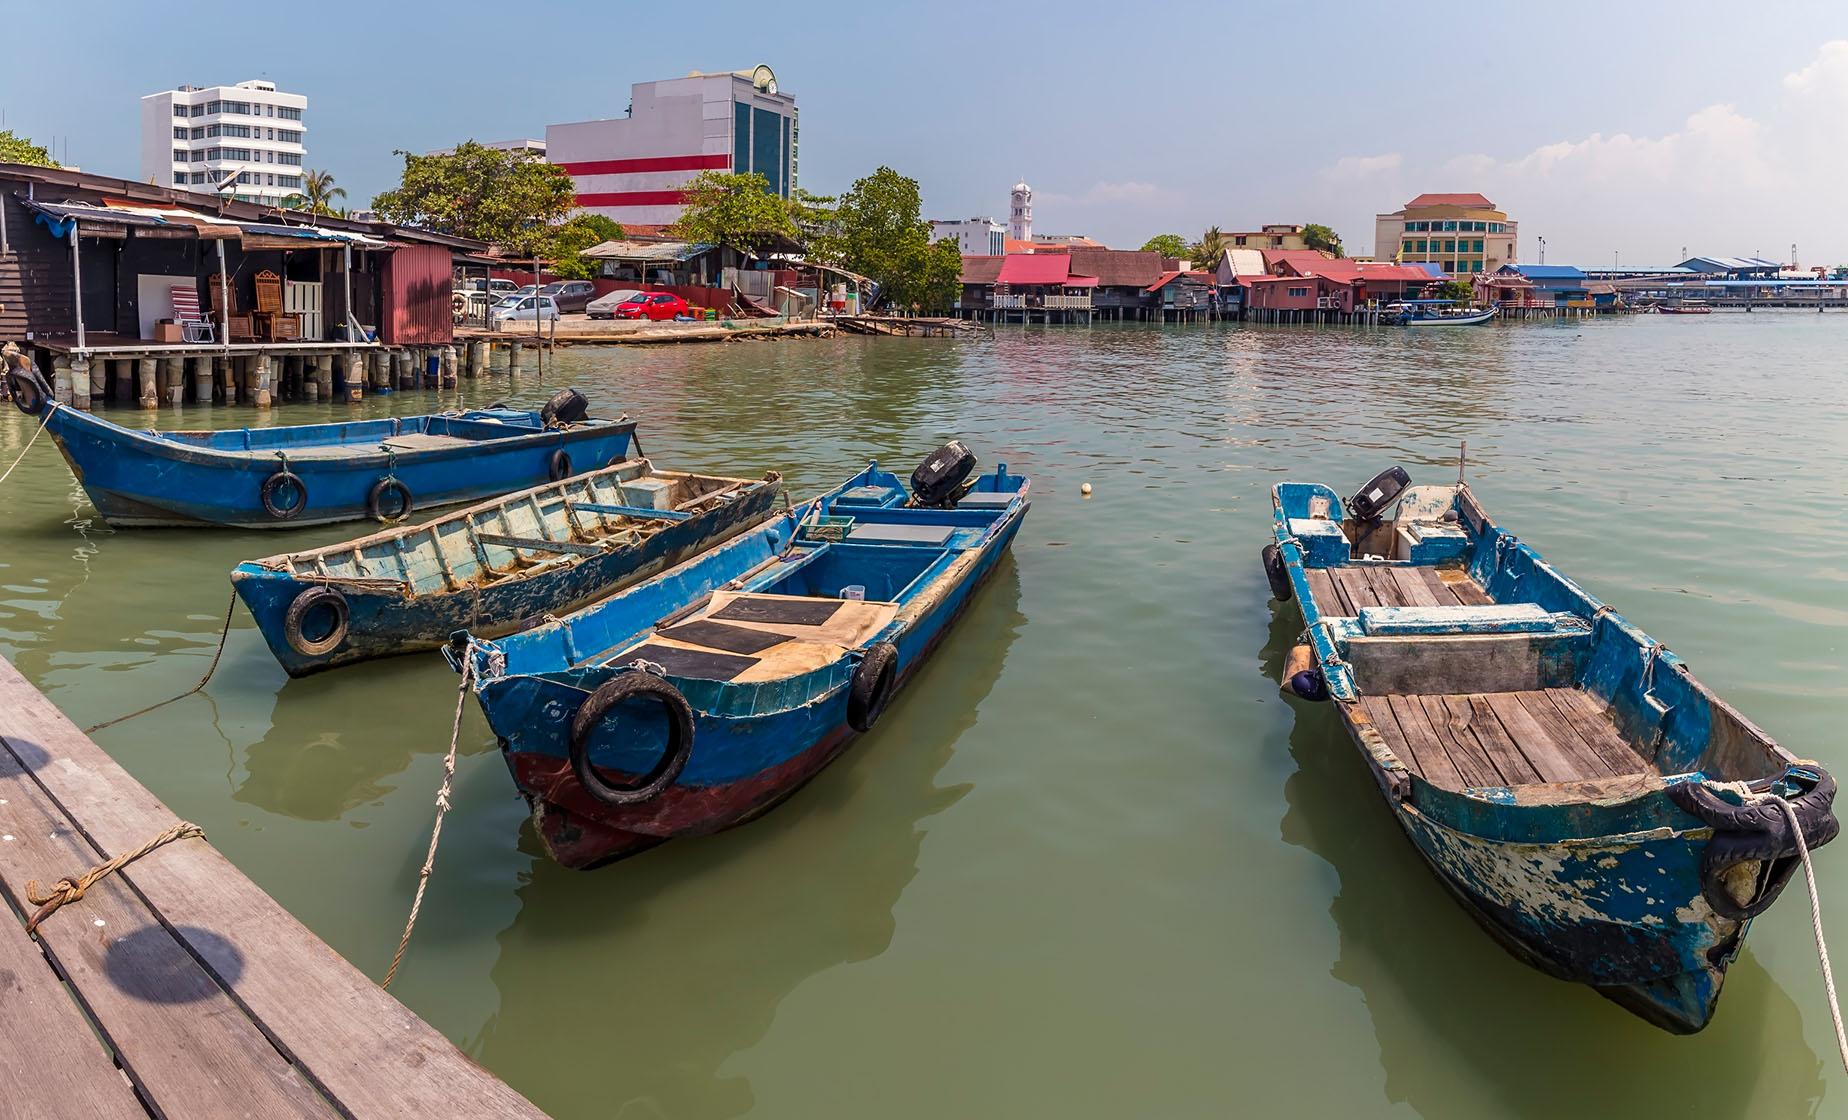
x,y
176,986
908,327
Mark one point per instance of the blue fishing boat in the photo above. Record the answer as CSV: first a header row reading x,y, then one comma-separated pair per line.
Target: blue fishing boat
x,y
1598,810
1439,313
260,478
697,700
495,567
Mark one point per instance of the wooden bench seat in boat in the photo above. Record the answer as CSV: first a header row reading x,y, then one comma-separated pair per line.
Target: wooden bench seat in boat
x,y
1473,740
751,638
1344,591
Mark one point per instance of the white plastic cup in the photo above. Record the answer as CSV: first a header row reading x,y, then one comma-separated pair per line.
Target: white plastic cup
x,y
854,591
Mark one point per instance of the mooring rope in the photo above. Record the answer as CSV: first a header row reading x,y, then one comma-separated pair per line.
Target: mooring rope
x,y
442,807
70,890
219,653
43,420
1822,946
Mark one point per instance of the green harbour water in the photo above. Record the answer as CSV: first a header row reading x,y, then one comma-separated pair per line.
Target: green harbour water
x,y
1090,863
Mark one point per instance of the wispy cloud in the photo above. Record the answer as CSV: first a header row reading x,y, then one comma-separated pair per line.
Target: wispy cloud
x,y
1363,167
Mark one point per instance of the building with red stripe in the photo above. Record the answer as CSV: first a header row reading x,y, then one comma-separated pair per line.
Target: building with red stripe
x,y
633,168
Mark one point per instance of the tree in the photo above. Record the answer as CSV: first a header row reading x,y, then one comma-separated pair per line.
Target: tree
x,y
507,198
1205,253
1322,237
18,149
1167,244
1460,290
817,223
881,236
568,240
319,192
733,211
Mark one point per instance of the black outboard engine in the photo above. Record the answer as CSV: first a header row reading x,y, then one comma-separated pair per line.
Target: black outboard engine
x,y
939,481
567,406
1375,496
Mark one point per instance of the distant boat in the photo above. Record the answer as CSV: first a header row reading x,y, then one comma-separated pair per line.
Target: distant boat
x,y
699,699
1598,810
1445,317
1682,309
492,568
266,478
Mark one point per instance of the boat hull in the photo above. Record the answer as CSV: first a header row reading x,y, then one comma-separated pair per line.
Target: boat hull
x,y
741,764
138,479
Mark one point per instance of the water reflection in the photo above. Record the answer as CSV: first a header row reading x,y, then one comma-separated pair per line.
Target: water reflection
x,y
715,932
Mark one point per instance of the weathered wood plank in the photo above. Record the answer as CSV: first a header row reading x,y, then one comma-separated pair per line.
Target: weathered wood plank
x,y
1473,767
1588,717
1531,716
55,1065
350,1038
1413,591
1322,586
1467,590
1509,762
1526,738
534,544
1441,590
180,1038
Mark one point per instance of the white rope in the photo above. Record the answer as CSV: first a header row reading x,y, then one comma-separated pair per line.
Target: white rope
x,y
43,420
442,807
1822,946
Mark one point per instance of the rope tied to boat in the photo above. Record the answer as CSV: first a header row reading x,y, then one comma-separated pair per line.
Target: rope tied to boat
x,y
70,890
43,420
442,808
1822,944
223,633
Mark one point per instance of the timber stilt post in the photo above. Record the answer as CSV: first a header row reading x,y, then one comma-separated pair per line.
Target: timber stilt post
x,y
513,358
149,377
265,395
173,385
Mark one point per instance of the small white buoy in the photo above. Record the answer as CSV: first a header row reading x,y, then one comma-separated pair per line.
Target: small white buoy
x,y
99,921
1085,489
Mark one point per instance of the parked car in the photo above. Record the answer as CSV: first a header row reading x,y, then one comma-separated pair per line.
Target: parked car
x,y
495,288
570,295
604,306
515,309
652,305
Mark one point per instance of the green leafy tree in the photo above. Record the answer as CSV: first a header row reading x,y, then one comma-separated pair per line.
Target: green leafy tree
x,y
18,149
568,240
507,198
1205,253
1167,244
882,236
817,222
1322,237
1461,290
733,211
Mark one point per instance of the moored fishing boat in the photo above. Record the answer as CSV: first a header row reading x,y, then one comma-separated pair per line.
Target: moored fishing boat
x,y
697,700
493,567
315,473
1420,315
1598,810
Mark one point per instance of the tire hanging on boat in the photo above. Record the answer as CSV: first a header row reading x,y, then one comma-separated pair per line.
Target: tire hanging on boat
x,y
388,492
29,390
1276,573
559,466
567,406
306,605
1756,832
871,689
611,694
274,485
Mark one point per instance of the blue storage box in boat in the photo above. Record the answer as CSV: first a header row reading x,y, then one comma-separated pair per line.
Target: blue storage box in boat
x,y
1424,543
1324,544
1496,618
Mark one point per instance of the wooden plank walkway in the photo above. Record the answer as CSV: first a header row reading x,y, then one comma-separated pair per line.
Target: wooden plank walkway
x,y
176,987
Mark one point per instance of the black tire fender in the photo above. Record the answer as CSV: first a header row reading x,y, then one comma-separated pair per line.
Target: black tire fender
x,y
30,393
1277,573
612,694
559,465
273,484
872,685
1756,832
389,492
313,599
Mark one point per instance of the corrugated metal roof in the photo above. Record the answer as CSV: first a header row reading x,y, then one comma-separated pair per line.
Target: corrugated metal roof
x,y
1728,264
981,270
645,250
1035,268
1118,268
1547,271
1246,262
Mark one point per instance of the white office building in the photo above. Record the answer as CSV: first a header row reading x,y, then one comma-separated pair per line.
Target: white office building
x,y
975,237
632,168
198,137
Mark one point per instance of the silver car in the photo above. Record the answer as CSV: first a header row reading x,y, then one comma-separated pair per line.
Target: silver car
x,y
516,309
604,306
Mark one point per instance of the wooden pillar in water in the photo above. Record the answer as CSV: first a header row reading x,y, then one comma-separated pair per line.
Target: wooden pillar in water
x,y
513,358
224,371
265,396
174,385
311,378
99,382
324,375
449,367
150,382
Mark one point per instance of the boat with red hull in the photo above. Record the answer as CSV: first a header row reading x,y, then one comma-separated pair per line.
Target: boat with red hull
x,y
698,700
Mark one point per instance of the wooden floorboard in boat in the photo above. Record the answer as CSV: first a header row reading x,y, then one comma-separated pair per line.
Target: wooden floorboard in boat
x,y
1503,738
1382,585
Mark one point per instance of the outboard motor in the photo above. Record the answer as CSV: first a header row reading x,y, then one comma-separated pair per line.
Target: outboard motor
x,y
939,481
567,406
1375,496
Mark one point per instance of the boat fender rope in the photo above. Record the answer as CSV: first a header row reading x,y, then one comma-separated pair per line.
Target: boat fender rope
x,y
68,889
43,420
1822,945
442,808
1757,832
223,633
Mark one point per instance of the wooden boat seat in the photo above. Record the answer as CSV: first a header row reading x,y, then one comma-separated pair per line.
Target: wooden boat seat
x,y
422,442
886,532
1344,591
1475,740
750,638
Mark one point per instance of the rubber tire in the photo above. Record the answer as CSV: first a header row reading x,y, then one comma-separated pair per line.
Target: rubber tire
x,y
376,499
1277,574
872,686
559,466
29,391
567,406
612,694
299,608
276,482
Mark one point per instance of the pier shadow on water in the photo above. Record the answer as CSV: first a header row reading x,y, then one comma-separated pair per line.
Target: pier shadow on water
x,y
1464,1029
678,958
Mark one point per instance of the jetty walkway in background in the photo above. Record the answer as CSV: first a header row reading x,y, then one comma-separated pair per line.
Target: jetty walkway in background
x,y
176,987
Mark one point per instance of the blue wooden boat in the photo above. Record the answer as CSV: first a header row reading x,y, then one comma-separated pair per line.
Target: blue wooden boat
x,y
494,567
699,699
311,474
1598,810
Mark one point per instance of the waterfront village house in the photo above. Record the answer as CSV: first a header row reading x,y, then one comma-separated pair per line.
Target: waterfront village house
x,y
633,168
1269,237
1123,280
1310,282
974,237
1185,294
98,257
1461,233
1549,285
1296,293
979,274
1041,280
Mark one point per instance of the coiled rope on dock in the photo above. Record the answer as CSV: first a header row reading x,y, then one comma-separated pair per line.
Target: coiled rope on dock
x,y
223,633
442,808
1822,945
70,890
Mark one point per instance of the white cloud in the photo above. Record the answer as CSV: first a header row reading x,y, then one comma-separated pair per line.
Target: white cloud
x,y
1363,167
1106,193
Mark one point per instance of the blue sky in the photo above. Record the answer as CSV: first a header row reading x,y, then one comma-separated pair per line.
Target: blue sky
x,y
1637,129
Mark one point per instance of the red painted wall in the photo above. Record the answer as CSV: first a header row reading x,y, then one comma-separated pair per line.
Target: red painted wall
x,y
415,284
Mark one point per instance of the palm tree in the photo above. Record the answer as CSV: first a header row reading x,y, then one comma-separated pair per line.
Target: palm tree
x,y
319,191
1207,251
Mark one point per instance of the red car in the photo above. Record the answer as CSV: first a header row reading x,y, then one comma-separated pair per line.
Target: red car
x,y
652,305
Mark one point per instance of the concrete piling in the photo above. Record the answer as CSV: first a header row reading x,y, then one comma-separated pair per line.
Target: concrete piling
x,y
324,376
202,380
173,385
513,358
265,394
225,373
149,371
99,382
449,367
123,370
80,384
477,359
61,378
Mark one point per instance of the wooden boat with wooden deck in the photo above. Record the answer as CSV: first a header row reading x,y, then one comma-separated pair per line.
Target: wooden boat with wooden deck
x,y
494,567
1595,807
